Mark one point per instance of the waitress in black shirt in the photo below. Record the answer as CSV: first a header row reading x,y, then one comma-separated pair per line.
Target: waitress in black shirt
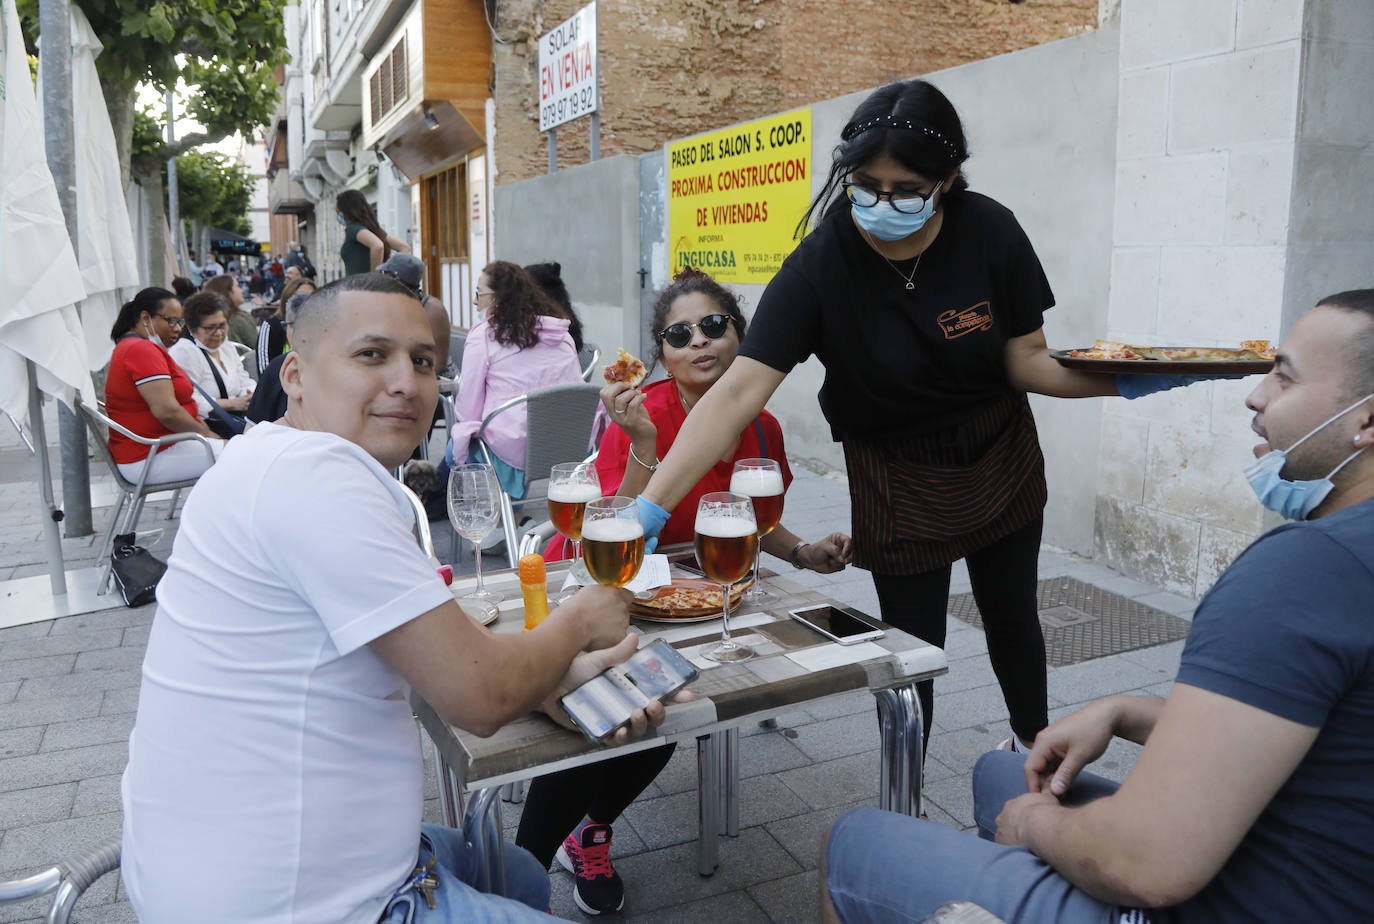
x,y
923,300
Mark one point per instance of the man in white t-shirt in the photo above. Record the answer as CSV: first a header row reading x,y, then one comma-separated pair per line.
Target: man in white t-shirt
x,y
274,767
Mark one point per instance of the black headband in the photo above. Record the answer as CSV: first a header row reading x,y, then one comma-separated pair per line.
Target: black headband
x,y
853,129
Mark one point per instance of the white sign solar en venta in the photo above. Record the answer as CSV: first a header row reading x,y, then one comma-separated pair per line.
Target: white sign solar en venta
x,y
567,70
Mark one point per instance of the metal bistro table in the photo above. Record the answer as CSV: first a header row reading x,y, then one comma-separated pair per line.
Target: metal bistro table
x,y
795,665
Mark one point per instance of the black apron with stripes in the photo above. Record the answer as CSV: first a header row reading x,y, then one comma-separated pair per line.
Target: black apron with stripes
x,y
921,502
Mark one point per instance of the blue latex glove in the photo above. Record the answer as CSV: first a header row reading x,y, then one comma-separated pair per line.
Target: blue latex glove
x,y
1132,386
653,517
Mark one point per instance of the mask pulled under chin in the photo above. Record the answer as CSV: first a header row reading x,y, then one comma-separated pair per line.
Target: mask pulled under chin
x,y
1295,500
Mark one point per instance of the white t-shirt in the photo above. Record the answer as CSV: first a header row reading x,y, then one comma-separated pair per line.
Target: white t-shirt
x,y
274,767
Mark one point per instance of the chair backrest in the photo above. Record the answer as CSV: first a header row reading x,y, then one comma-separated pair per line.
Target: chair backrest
x,y
457,339
587,358
248,358
99,426
560,426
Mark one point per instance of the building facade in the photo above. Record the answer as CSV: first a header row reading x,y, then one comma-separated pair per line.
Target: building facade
x,y
388,97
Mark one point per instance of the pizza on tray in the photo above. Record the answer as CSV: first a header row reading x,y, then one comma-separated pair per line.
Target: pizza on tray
x,y
626,368
686,598
1250,350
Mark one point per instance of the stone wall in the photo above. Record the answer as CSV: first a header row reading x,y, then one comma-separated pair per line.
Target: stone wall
x,y
1242,196
673,69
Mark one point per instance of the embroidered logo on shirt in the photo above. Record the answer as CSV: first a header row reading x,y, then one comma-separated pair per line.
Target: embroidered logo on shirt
x,y
955,323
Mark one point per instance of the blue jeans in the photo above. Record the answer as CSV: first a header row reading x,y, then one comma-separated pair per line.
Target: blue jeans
x,y
457,900
937,864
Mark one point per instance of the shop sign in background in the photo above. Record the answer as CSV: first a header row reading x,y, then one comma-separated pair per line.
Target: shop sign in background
x,y
735,197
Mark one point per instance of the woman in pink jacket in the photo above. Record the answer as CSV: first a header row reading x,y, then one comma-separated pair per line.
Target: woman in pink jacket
x,y
522,343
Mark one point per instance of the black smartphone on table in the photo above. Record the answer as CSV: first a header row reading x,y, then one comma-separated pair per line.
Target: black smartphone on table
x,y
842,624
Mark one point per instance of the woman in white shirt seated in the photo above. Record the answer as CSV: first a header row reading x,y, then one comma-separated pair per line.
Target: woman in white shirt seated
x,y
209,358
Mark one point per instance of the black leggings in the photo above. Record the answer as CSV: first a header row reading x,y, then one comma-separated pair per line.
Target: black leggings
x,y
1003,575
557,801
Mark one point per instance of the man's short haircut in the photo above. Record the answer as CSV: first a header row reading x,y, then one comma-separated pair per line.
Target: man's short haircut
x,y
1360,357
313,316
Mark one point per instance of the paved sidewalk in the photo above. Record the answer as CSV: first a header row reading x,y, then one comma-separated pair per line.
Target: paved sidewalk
x,y
68,690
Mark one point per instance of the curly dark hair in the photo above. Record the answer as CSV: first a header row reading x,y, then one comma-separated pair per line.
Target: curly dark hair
x,y
550,279
684,283
519,303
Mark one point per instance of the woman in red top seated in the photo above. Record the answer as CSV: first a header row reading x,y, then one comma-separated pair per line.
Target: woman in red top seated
x,y
697,326
146,391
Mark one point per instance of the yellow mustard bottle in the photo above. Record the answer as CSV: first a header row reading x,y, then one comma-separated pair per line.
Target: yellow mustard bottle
x,y
534,588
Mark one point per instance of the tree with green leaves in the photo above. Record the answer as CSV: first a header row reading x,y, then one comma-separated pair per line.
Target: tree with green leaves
x,y
214,191
225,51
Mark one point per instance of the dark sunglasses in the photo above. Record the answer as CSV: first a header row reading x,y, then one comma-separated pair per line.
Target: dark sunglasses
x,y
680,334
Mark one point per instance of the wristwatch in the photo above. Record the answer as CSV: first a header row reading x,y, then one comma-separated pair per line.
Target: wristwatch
x,y
794,556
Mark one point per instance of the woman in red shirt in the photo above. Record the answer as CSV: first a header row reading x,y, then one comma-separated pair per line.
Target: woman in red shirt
x,y
697,326
146,391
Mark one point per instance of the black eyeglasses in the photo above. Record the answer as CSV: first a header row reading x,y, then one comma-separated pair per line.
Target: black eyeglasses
x,y
175,322
908,202
680,334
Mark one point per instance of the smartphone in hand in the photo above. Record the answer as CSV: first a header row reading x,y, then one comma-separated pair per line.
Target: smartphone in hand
x,y
606,702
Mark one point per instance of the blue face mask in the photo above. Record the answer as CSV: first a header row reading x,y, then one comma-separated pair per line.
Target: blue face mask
x,y
1294,500
887,224
339,217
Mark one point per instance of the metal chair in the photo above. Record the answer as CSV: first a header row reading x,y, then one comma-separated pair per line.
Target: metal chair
x,y
457,339
133,493
588,357
66,881
559,430
249,357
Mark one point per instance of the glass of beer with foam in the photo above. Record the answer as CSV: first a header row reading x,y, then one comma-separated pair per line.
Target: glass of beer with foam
x,y
572,485
761,481
612,540
727,542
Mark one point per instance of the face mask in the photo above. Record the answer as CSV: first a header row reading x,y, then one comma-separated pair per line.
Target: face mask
x,y
1294,500
338,216
887,224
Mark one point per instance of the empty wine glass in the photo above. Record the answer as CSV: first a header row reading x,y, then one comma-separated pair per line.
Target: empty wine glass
x,y
761,480
572,485
474,508
727,540
613,540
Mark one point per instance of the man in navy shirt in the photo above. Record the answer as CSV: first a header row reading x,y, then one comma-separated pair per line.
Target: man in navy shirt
x,y
1253,797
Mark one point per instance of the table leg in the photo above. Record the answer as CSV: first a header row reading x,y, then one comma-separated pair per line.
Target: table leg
x,y
728,746
483,828
708,801
900,771
450,809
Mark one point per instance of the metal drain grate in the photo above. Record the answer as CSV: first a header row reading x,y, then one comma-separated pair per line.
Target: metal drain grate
x,y
1082,622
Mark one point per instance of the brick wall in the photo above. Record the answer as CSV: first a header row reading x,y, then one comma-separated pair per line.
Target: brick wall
x,y
672,69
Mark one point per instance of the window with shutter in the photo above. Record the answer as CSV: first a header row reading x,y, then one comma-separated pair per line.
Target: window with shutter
x,y
400,76
375,96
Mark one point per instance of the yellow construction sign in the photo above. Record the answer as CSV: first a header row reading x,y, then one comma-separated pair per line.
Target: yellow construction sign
x,y
735,197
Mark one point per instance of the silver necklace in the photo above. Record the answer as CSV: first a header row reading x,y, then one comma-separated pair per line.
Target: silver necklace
x,y
905,277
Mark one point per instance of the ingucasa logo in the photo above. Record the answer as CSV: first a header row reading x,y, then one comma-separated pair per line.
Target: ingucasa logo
x,y
702,259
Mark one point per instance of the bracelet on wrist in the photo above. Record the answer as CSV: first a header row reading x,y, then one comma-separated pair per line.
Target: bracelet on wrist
x,y
794,556
642,463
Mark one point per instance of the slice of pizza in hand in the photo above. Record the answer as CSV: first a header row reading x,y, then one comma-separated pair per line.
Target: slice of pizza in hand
x,y
626,368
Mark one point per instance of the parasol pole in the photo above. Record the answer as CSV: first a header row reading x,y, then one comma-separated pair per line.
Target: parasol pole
x,y
59,138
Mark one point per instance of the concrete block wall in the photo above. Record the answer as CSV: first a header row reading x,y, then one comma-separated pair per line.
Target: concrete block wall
x,y
1209,102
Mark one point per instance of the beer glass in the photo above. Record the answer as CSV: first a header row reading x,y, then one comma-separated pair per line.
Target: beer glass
x,y
612,540
761,481
474,508
572,485
727,541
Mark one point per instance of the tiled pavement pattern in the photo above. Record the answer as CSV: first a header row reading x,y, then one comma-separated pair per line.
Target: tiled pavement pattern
x,y
68,691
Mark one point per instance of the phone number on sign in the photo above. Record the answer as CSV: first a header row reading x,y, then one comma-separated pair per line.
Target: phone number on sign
x,y
570,106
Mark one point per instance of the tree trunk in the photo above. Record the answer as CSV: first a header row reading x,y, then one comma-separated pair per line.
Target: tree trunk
x,y
120,101
151,182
